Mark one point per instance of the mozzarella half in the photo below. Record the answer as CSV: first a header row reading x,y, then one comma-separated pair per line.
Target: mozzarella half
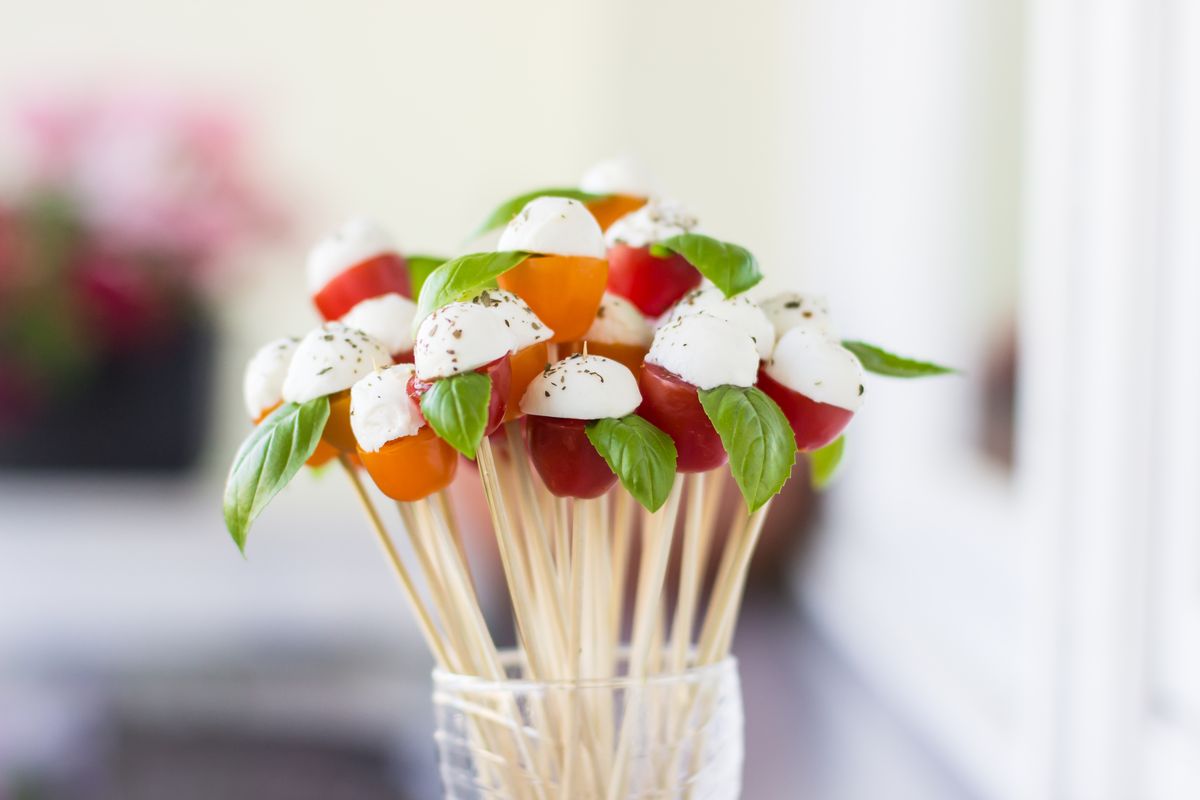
x,y
619,321
818,367
554,226
705,351
356,241
262,382
522,324
329,359
653,222
789,310
459,337
583,387
739,311
381,410
387,318
619,175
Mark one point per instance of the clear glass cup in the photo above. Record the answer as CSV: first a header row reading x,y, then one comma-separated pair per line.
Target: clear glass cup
x,y
619,738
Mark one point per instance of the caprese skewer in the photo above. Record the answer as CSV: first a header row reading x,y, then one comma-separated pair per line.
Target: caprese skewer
x,y
356,262
652,281
328,361
559,404
564,279
403,455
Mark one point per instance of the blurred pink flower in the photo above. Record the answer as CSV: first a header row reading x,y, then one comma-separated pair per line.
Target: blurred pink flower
x,y
151,172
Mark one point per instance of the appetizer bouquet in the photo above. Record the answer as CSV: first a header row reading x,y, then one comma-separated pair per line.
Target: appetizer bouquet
x,y
604,383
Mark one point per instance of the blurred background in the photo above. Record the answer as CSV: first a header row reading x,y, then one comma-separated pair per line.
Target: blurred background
x,y
1000,598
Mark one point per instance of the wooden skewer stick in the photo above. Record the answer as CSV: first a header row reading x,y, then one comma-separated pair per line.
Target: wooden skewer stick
x,y
730,600
432,638
691,571
656,552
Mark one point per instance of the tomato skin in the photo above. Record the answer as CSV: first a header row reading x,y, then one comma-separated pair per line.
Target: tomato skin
x,y
322,455
651,283
608,210
564,457
631,355
814,424
526,365
500,373
564,291
387,272
412,467
673,405
338,433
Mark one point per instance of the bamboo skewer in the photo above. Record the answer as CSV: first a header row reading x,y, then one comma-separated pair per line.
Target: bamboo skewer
x,y
655,553
565,565
424,622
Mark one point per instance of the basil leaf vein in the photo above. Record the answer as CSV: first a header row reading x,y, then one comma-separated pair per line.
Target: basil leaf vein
x,y
268,459
733,269
457,410
641,455
881,362
757,437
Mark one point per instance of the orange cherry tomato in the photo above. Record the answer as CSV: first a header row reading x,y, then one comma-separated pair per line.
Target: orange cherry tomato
x,y
526,365
322,455
631,355
608,210
338,433
564,291
412,467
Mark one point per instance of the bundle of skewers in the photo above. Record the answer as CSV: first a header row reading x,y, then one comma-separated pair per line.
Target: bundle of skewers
x,y
606,372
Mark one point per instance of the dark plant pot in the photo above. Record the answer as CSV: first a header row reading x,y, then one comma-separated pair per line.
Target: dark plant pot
x,y
139,412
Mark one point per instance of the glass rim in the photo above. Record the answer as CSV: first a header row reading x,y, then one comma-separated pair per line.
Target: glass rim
x,y
445,680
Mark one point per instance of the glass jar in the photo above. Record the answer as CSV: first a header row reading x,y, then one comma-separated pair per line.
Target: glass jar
x,y
619,738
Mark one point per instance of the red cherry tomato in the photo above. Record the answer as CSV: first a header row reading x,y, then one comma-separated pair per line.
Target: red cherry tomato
x,y
376,276
651,283
412,467
501,374
673,405
565,458
815,424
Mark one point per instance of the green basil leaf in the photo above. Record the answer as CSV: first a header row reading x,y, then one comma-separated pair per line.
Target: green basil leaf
x,y
268,458
881,362
732,268
757,436
420,268
825,462
504,212
457,410
461,277
642,456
